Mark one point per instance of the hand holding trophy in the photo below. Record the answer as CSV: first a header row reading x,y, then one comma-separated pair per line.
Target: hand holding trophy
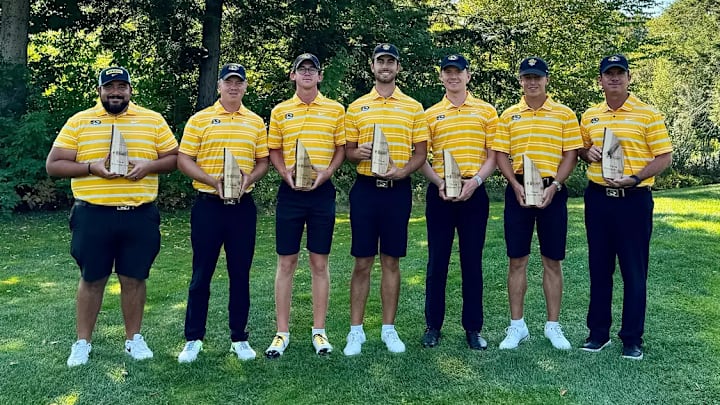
x,y
453,178
532,182
232,176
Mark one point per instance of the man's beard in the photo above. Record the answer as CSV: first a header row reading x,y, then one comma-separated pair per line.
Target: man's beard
x,y
115,108
390,78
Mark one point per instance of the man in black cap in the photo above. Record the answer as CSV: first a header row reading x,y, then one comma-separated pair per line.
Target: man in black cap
x,y
547,132
380,204
464,126
319,124
114,221
618,211
217,220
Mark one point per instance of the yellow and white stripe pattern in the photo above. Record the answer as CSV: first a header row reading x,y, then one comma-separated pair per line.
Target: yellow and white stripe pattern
x,y
89,132
467,131
320,126
543,135
640,129
211,130
400,117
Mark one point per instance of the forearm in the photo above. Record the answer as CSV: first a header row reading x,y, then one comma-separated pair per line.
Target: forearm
x,y
430,174
418,159
656,166
352,152
337,159
567,164
190,168
278,161
259,171
164,163
503,163
488,168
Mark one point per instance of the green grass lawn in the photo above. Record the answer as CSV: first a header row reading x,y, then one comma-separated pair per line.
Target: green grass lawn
x,y
38,279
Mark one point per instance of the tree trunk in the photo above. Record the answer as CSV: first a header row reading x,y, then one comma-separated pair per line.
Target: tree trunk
x,y
207,80
13,56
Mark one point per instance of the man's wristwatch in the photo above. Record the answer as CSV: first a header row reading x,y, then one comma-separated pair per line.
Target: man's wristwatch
x,y
637,180
557,184
478,179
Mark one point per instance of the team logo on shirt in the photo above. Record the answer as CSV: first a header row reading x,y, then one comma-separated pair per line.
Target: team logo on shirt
x,y
364,108
516,117
289,116
440,117
216,121
95,122
595,120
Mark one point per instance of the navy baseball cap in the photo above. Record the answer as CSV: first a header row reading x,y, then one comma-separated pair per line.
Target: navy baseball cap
x,y
386,49
302,58
232,69
533,66
113,73
612,61
456,60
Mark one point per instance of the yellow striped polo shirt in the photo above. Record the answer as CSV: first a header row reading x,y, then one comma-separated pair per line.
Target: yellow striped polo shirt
x,y
211,130
400,117
640,129
543,134
88,133
466,131
320,126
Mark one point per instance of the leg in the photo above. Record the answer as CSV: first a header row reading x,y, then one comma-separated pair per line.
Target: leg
x,y
440,234
286,266
552,287
359,288
517,285
239,250
88,303
132,300
389,287
320,288
471,221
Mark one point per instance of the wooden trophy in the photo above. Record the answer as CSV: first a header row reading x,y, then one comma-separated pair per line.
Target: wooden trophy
x,y
453,179
532,182
613,157
232,176
380,161
303,167
119,163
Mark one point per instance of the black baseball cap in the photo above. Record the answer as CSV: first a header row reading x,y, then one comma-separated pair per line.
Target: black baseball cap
x,y
612,61
232,69
386,49
306,56
533,66
113,73
456,60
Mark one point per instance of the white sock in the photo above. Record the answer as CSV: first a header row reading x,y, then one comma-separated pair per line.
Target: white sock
x,y
318,331
357,328
386,328
518,323
551,324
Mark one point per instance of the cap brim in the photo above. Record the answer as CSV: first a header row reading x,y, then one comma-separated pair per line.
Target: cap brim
x,y
458,65
114,80
386,53
298,63
533,72
612,65
233,74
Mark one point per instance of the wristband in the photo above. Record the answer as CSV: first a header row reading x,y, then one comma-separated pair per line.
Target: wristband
x,y
89,172
637,180
478,180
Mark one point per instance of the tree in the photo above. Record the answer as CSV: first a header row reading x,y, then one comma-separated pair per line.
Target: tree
x,y
210,58
13,56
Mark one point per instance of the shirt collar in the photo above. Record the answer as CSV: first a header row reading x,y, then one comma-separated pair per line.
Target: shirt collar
x,y
396,94
470,101
628,105
547,105
319,99
221,110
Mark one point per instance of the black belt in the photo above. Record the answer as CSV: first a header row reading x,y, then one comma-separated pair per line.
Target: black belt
x,y
82,203
216,198
547,181
381,183
618,192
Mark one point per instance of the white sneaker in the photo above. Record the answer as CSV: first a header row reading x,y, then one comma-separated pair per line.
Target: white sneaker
x,y
190,352
79,353
277,347
243,350
514,336
321,344
137,348
354,343
557,337
392,341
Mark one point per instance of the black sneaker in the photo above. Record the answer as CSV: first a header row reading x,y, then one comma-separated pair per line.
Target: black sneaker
x,y
632,352
475,341
431,338
595,345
